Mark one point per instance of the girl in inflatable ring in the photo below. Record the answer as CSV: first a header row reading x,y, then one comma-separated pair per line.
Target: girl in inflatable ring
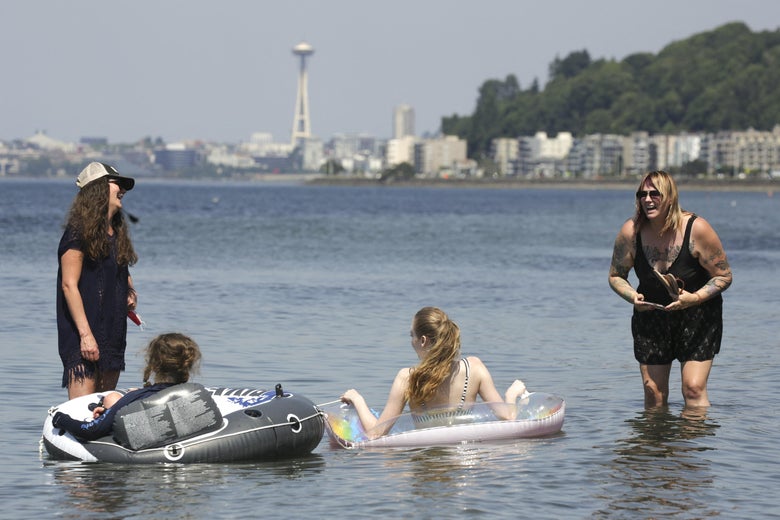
x,y
442,381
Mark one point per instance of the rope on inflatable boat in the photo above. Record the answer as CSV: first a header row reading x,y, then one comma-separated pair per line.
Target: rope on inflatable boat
x,y
328,403
276,425
195,441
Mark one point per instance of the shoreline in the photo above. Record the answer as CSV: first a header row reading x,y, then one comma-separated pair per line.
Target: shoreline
x,y
762,185
768,186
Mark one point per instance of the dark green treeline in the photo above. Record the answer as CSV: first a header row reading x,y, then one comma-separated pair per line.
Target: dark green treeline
x,y
725,79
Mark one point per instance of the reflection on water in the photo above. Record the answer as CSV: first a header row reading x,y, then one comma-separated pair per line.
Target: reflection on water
x,y
661,468
104,489
438,475
432,470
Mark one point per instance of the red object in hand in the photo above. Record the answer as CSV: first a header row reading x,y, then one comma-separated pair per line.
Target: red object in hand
x,y
135,318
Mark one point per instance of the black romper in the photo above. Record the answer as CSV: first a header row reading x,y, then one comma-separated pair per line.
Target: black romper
x,y
103,286
692,334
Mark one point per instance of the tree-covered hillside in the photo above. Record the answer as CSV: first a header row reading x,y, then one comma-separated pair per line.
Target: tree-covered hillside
x,y
725,79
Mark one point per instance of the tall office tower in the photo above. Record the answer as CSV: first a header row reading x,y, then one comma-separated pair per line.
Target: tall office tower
x,y
403,121
301,123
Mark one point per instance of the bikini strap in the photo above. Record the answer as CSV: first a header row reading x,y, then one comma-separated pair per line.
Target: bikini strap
x,y
465,384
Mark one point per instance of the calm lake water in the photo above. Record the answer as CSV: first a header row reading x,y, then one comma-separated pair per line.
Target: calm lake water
x,y
315,287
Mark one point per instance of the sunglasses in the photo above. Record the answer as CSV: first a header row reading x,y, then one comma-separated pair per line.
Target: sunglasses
x,y
654,194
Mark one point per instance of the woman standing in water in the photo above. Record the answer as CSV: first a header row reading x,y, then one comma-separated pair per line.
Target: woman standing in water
x,y
94,287
682,270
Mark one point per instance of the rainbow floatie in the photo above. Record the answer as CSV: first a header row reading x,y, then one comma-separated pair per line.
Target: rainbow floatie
x,y
538,415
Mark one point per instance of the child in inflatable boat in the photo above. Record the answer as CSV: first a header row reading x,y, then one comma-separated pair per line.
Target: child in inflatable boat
x,y
170,358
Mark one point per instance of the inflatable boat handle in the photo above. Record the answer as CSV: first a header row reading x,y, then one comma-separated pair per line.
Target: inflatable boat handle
x,y
279,391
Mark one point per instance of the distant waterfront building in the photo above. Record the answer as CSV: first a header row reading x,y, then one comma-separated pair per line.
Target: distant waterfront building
x,y
222,155
309,155
403,121
261,144
749,152
684,148
553,148
605,155
757,151
541,156
357,152
505,151
9,161
400,150
667,151
301,120
362,165
718,150
94,142
176,157
342,146
260,153
637,154
442,157
596,155
44,142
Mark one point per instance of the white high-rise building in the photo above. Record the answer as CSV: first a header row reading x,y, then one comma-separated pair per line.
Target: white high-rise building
x,y
403,121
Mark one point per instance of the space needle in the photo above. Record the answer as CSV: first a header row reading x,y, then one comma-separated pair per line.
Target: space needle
x,y
301,123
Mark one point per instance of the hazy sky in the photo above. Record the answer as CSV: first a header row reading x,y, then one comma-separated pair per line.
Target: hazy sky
x,y
221,70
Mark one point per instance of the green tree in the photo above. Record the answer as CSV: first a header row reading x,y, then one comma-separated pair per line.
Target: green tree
x,y
399,172
332,167
718,80
570,66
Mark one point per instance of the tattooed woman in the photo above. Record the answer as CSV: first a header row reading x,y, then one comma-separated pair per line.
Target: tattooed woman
x,y
682,270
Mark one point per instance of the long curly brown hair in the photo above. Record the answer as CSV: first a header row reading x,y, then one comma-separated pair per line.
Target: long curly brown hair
x,y
436,366
87,218
171,357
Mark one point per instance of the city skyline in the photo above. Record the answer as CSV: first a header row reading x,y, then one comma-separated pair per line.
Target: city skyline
x,y
185,71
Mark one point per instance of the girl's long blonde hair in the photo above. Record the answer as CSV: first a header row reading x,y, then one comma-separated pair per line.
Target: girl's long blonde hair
x,y
436,366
